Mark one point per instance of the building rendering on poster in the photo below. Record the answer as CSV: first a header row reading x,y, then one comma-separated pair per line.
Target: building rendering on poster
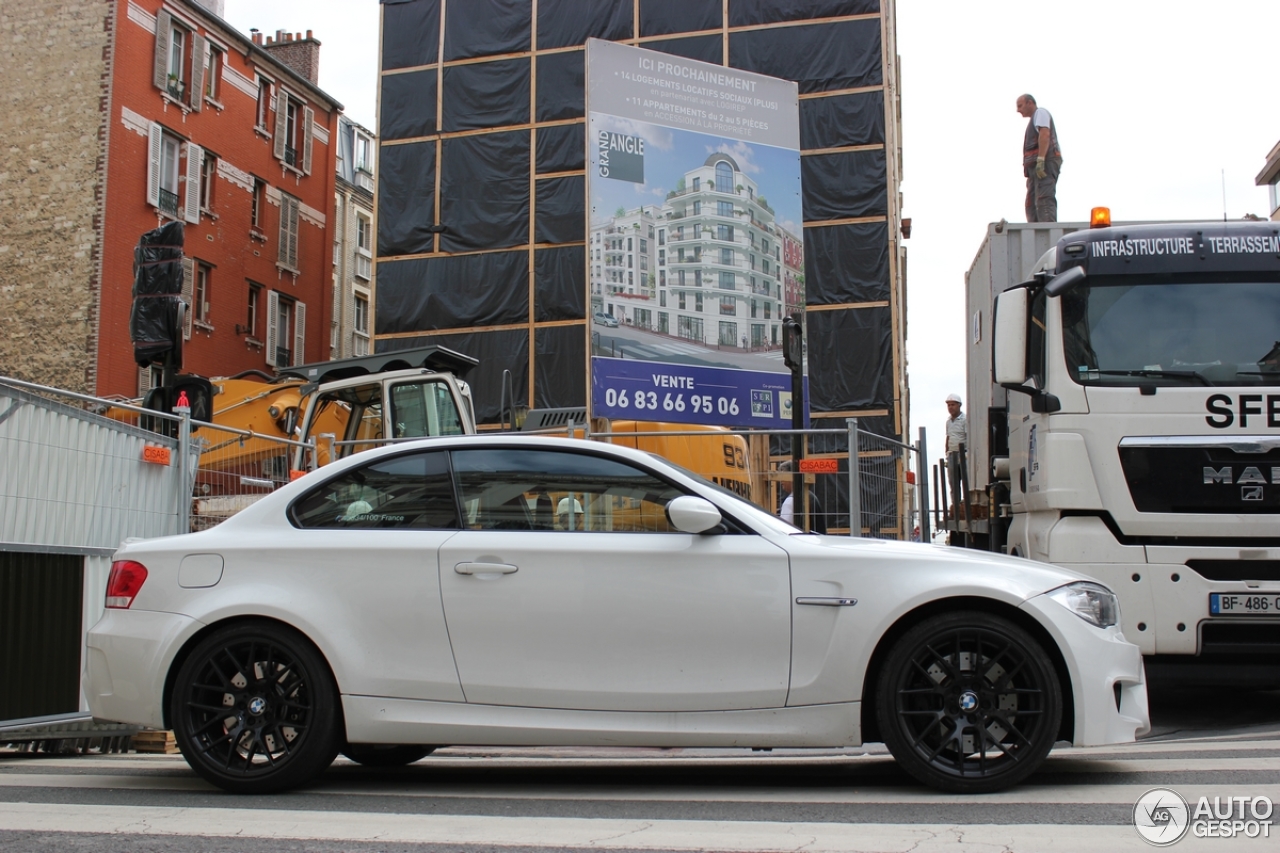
x,y
695,249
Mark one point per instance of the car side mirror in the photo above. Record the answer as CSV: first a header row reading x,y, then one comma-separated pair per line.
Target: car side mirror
x,y
692,514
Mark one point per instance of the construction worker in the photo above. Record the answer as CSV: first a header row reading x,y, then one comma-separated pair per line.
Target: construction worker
x,y
957,434
1041,161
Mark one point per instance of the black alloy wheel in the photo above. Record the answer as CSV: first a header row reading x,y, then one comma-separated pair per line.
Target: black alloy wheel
x,y
969,702
254,709
386,754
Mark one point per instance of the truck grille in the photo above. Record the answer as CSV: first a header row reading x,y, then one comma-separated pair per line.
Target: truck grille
x,y
1233,638
1175,475
1236,570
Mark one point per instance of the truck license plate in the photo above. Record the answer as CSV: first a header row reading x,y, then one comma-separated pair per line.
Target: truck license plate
x,y
1237,604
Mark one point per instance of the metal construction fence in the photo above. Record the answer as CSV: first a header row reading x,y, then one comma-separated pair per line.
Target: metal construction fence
x,y
882,493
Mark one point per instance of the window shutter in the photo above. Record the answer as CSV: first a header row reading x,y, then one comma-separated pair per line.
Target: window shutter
x,y
289,231
195,157
199,59
144,380
155,145
273,312
164,30
308,117
188,295
299,332
282,123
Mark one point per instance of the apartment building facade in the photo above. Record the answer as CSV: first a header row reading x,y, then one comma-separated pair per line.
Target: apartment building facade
x,y
170,114
353,241
711,265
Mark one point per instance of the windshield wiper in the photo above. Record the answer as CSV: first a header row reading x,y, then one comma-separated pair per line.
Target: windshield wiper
x,y
1176,374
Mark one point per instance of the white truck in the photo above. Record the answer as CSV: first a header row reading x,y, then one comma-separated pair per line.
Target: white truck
x,y
1124,421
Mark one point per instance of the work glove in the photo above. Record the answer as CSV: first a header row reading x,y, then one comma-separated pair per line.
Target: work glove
x,y
1040,172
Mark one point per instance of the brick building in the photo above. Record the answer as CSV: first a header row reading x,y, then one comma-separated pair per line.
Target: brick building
x,y
160,110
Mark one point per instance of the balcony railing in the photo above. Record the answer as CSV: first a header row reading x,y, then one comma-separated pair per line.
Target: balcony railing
x,y
169,203
284,357
290,156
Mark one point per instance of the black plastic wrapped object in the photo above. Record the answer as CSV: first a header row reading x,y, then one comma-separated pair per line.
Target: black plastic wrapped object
x,y
155,322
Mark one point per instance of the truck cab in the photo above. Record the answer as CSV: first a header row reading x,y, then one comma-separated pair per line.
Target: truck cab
x,y
1142,371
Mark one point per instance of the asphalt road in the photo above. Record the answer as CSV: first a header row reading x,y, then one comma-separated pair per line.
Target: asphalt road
x,y
1204,742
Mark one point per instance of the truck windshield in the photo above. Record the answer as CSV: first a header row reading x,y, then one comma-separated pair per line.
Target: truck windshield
x,y
1201,333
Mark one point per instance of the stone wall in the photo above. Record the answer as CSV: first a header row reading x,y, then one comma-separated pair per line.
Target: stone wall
x,y
53,107
51,121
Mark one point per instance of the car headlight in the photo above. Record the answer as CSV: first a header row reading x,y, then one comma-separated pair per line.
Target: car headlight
x,y
1092,602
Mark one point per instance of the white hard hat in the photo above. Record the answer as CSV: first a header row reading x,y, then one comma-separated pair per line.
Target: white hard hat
x,y
563,506
953,398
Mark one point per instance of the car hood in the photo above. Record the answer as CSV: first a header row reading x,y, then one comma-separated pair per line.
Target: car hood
x,y
1014,576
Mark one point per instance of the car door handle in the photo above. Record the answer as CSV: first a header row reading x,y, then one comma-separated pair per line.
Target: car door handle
x,y
826,601
485,568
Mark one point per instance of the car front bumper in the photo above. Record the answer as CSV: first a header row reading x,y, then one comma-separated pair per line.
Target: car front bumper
x,y
1108,682
129,653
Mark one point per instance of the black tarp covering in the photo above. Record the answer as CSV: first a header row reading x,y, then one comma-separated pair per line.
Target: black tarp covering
x,y
745,13
820,57
408,105
486,27
842,120
497,350
410,33
420,294
663,17
560,215
846,263
565,23
844,185
155,318
484,191
559,367
702,48
860,373
559,292
486,94
561,85
561,148
406,198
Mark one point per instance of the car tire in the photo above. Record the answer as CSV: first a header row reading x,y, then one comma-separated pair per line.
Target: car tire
x,y
386,755
968,702
255,710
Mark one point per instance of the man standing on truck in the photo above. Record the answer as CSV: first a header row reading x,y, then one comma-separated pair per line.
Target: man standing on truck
x,y
957,434
1041,161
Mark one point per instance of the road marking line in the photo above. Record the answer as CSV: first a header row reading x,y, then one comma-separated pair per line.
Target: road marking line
x,y
560,832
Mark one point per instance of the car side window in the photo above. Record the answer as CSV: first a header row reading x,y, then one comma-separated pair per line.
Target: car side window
x,y
522,489
412,491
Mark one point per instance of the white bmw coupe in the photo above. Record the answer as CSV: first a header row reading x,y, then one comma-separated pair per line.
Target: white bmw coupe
x,y
506,590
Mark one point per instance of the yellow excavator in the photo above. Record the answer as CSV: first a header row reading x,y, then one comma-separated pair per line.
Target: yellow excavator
x,y
353,404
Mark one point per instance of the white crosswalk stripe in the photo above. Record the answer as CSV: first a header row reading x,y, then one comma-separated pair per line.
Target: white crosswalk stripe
x,y
441,801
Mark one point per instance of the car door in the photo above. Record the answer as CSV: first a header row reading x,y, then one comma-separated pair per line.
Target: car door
x,y
364,561
567,588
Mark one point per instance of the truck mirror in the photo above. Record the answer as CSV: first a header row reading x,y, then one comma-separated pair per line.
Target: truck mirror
x,y
1009,345
1064,282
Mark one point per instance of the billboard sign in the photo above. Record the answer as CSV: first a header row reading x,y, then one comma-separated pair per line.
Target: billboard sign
x,y
695,245
690,394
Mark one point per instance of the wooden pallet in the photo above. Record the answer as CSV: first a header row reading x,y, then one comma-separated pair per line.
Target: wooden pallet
x,y
154,741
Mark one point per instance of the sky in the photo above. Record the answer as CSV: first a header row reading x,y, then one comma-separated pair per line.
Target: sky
x,y
1162,107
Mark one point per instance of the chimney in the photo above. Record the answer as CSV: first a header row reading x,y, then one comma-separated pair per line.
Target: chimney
x,y
298,53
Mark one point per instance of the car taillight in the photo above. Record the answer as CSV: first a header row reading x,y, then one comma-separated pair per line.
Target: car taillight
x,y
123,583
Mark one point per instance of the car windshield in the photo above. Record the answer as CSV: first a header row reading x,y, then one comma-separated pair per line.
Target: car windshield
x,y
1200,333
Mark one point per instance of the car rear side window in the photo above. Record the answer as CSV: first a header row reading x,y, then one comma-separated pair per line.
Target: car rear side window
x,y
510,489
413,491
